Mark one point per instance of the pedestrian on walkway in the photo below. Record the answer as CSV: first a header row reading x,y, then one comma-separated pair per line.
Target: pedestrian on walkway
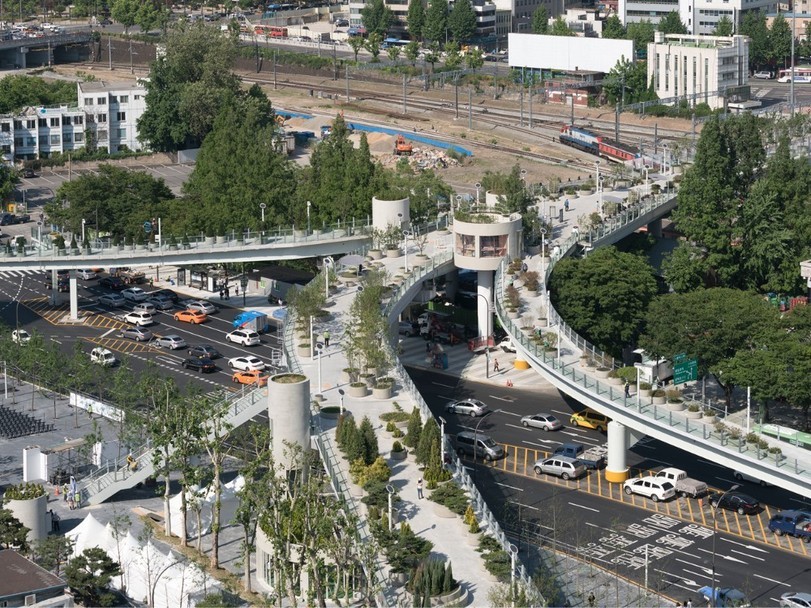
x,y
419,488
222,293
65,493
326,338
627,389
566,205
591,599
236,290
227,292
54,521
496,368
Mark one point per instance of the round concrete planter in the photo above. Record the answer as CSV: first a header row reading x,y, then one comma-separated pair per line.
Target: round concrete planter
x,y
382,393
601,372
512,314
348,376
658,400
645,393
534,249
421,259
357,391
32,514
443,512
692,415
401,455
676,407
299,233
394,253
711,419
375,254
221,239
457,597
303,351
532,293
331,412
615,381
586,363
210,240
543,322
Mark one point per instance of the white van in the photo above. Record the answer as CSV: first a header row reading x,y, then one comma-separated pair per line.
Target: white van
x,y
103,357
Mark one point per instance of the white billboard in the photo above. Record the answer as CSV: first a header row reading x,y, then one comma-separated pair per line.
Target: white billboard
x,y
567,53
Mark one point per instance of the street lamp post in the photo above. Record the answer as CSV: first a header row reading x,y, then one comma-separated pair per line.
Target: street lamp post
x,y
478,187
262,207
309,204
647,184
327,265
406,234
442,423
476,439
513,554
341,392
243,282
714,535
543,259
83,223
390,490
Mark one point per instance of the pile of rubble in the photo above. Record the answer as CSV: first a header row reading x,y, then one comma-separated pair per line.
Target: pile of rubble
x,y
423,158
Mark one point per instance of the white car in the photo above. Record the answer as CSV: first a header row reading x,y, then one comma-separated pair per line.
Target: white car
x,y
795,599
246,363
147,307
103,357
202,306
134,294
471,407
86,274
651,487
139,318
20,336
171,342
547,422
741,476
245,337
113,300
159,302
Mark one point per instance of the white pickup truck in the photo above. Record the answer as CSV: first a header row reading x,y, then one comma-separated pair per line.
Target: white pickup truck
x,y
685,486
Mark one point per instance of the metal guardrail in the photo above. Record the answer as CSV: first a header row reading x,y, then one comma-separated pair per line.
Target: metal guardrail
x,y
615,395
53,40
479,504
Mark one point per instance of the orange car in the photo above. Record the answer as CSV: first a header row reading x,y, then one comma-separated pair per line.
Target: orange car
x,y
250,377
191,316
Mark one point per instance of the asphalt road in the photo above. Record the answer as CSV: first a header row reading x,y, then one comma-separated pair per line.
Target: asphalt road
x,y
24,303
613,534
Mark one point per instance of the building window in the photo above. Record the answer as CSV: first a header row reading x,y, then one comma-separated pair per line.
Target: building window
x,y
43,122
67,120
102,101
122,134
88,101
55,140
68,137
6,149
466,245
122,116
78,120
78,137
6,127
18,124
43,140
136,97
18,142
113,99
31,142
101,118
125,99
31,124
101,135
54,122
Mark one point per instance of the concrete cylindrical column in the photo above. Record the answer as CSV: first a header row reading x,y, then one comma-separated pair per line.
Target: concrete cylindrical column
x,y
616,470
33,468
289,416
485,289
390,213
452,284
32,514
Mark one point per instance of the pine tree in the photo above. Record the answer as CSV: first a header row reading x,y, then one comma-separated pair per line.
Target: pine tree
x,y
429,434
436,21
462,21
412,438
415,19
540,21
448,583
339,439
368,441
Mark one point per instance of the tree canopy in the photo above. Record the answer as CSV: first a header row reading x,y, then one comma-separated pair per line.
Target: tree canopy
x,y
724,27
630,77
187,87
540,20
753,24
377,17
672,24
436,20
604,296
462,21
780,41
613,28
89,576
415,19
641,33
18,91
560,28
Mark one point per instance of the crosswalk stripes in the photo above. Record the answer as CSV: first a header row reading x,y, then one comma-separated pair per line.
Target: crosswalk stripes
x,y
18,273
54,314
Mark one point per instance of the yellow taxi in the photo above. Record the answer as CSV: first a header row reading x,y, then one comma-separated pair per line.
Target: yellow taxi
x,y
253,376
591,420
191,316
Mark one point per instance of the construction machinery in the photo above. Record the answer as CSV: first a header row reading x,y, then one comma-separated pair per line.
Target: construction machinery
x,y
402,147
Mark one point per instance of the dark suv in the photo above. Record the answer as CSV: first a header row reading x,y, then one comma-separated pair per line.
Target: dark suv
x,y
735,501
114,283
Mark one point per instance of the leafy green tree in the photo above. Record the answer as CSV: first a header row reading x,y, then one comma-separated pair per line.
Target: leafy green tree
x,y
561,28
540,20
462,21
125,12
428,436
89,576
187,87
630,78
8,180
724,27
684,268
804,48
151,15
370,447
604,296
19,91
356,43
642,34
412,438
436,21
12,532
118,199
753,24
374,43
710,325
672,24
415,19
412,51
452,57
474,59
239,167
52,552
377,17
394,53
613,28
780,41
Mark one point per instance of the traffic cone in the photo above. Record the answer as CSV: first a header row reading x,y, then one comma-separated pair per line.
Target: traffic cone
x,y
509,383
56,491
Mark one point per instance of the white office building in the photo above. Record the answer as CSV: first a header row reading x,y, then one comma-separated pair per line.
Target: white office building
x,y
107,115
701,69
485,15
699,16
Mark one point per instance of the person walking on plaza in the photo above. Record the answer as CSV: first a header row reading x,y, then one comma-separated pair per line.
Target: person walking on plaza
x,y
236,290
54,521
326,338
222,293
627,389
419,488
496,368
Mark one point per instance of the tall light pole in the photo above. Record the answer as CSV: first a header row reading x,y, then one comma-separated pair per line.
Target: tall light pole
x,y
513,554
390,490
442,423
406,234
478,187
714,534
309,204
262,207
341,392
327,263
83,223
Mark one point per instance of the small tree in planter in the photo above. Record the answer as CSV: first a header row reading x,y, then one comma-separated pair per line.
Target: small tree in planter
x,y
59,242
513,297
412,438
20,240
73,245
673,396
86,243
531,280
471,521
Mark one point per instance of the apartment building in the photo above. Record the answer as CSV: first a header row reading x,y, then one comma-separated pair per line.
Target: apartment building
x,y
105,116
699,16
701,69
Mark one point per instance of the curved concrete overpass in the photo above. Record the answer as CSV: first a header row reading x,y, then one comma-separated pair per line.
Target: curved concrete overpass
x,y
791,471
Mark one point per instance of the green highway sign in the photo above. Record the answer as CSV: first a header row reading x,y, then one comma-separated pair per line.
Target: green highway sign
x,y
684,370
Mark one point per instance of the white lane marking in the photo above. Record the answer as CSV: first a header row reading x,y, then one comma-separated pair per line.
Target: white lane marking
x,y
504,485
507,399
520,504
519,426
542,442
762,559
55,340
750,547
108,332
511,414
714,464
574,504
729,558
442,385
771,580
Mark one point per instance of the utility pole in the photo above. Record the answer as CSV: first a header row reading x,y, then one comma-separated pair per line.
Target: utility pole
x,y
110,52
469,108
274,69
456,96
405,108
521,114
347,83
530,107
793,33
617,124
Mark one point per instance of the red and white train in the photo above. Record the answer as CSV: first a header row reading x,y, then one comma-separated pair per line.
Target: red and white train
x,y
600,146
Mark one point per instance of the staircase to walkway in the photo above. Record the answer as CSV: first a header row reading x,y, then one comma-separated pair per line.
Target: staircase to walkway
x,y
117,476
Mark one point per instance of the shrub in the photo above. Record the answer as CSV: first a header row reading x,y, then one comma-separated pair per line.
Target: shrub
x,y
628,373
451,496
693,407
752,438
673,396
378,496
24,491
395,417
658,393
471,521
397,447
412,439
644,386
496,560
390,427
397,433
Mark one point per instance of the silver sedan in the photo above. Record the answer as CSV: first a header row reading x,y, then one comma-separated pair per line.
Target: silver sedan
x,y
547,422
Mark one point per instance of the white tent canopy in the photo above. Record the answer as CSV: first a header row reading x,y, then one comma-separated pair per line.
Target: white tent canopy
x,y
228,505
